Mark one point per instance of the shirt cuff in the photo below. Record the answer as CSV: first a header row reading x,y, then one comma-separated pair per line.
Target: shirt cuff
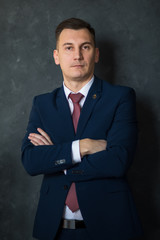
x,y
76,157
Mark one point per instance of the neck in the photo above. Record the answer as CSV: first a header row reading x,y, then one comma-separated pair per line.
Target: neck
x,y
76,85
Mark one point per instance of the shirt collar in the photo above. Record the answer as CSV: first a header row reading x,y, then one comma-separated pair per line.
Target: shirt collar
x,y
84,90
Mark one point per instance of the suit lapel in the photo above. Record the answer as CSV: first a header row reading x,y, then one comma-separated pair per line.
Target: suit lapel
x,y
64,114
93,96
61,115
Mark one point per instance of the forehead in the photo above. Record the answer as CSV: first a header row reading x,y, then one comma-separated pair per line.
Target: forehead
x,y
75,36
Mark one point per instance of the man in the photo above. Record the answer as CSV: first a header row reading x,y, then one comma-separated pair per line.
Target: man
x,y
82,138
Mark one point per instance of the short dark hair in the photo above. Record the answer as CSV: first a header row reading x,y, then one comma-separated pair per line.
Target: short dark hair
x,y
75,24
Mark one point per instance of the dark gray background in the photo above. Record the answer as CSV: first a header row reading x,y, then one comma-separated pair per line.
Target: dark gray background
x,y
128,35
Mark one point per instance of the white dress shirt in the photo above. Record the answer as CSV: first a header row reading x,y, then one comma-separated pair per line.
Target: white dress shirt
x,y
68,214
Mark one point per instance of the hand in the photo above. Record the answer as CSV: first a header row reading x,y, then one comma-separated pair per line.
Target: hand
x,y
90,146
40,139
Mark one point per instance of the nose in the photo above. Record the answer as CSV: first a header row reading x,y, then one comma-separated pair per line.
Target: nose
x,y
78,54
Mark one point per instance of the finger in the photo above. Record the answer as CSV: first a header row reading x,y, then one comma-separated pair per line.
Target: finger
x,y
38,139
34,143
43,133
102,140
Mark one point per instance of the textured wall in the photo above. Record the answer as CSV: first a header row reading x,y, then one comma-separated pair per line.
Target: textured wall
x,y
128,35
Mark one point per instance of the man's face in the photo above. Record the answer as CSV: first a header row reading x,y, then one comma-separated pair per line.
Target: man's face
x,y
76,54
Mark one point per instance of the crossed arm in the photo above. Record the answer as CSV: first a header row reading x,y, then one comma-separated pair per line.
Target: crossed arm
x,y
87,146
98,161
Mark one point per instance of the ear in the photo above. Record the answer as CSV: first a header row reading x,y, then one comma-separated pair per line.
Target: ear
x,y
56,57
96,55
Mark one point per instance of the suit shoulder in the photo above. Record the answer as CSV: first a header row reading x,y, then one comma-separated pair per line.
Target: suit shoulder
x,y
45,96
117,90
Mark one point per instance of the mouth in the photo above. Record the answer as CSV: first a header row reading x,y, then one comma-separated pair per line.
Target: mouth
x,y
78,66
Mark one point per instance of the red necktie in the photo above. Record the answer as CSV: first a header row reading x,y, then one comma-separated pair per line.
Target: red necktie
x,y
71,200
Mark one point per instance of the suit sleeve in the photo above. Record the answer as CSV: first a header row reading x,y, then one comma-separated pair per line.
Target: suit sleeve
x,y
121,144
44,159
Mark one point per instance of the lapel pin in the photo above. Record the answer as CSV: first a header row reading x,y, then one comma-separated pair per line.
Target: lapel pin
x,y
94,96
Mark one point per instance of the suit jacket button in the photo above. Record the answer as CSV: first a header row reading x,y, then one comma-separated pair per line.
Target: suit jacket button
x,y
65,187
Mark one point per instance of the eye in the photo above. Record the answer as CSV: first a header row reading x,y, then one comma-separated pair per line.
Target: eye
x,y
86,47
69,48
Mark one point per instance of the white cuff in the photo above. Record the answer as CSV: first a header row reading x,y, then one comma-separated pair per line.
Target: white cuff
x,y
76,157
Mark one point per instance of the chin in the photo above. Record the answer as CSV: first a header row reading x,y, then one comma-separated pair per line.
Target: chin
x,y
79,77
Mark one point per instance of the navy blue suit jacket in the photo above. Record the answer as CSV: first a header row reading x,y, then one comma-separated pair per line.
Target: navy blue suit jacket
x,y
104,196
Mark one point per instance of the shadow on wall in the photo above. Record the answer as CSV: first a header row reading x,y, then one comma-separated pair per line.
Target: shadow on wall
x,y
105,69
143,175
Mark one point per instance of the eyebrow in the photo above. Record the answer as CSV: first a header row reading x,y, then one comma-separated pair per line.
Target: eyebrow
x,y
67,43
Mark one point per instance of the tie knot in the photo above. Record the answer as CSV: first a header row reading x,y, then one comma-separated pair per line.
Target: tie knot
x,y
76,98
